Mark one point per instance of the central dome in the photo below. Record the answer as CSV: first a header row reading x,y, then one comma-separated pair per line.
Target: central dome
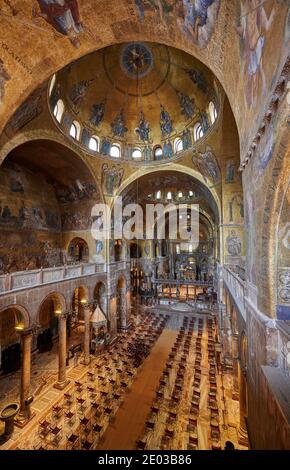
x,y
137,95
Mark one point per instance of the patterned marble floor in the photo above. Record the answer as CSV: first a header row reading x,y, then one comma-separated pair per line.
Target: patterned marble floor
x,y
46,396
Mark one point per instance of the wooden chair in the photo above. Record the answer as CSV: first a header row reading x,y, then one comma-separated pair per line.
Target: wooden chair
x,y
72,441
140,444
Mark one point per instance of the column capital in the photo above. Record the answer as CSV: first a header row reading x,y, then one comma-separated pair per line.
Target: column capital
x,y
25,331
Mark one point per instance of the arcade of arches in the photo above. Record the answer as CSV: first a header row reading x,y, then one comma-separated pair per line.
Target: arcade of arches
x,y
96,108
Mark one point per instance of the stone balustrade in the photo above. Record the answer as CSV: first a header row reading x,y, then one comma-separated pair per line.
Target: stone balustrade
x,y
39,277
236,287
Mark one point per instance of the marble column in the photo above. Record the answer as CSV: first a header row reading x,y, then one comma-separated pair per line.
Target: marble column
x,y
159,245
24,413
242,432
122,307
235,355
62,351
87,314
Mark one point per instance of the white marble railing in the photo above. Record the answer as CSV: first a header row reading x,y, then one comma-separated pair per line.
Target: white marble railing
x,y
236,287
26,279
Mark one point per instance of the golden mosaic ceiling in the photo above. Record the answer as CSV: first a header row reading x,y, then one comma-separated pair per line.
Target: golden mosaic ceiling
x,y
114,86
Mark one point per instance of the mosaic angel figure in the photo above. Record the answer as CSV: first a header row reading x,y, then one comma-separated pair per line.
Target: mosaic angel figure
x,y
118,126
206,164
166,124
143,130
97,113
187,104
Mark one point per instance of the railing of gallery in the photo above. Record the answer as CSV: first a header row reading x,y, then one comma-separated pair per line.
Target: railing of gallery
x,y
236,287
182,282
118,266
26,279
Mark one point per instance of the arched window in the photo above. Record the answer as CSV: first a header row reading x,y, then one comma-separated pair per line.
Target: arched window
x,y
178,249
178,145
158,195
94,144
58,110
137,154
75,130
169,196
158,153
51,85
212,112
115,151
197,131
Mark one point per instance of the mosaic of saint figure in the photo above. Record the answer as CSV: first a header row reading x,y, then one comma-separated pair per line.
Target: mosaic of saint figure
x,y
147,153
230,171
4,77
187,105
198,78
97,113
207,165
186,139
143,130
118,126
234,244
165,122
252,28
86,135
168,150
106,146
99,246
63,16
78,92
55,95
204,122
197,18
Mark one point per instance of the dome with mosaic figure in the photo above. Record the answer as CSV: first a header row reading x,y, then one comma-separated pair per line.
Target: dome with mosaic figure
x,y
139,101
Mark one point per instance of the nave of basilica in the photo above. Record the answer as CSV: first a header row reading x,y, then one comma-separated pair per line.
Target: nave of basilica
x,y
121,328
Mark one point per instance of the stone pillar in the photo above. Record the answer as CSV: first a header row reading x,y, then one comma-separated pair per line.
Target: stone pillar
x,y
122,307
87,314
242,432
62,351
159,246
25,414
112,302
235,355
